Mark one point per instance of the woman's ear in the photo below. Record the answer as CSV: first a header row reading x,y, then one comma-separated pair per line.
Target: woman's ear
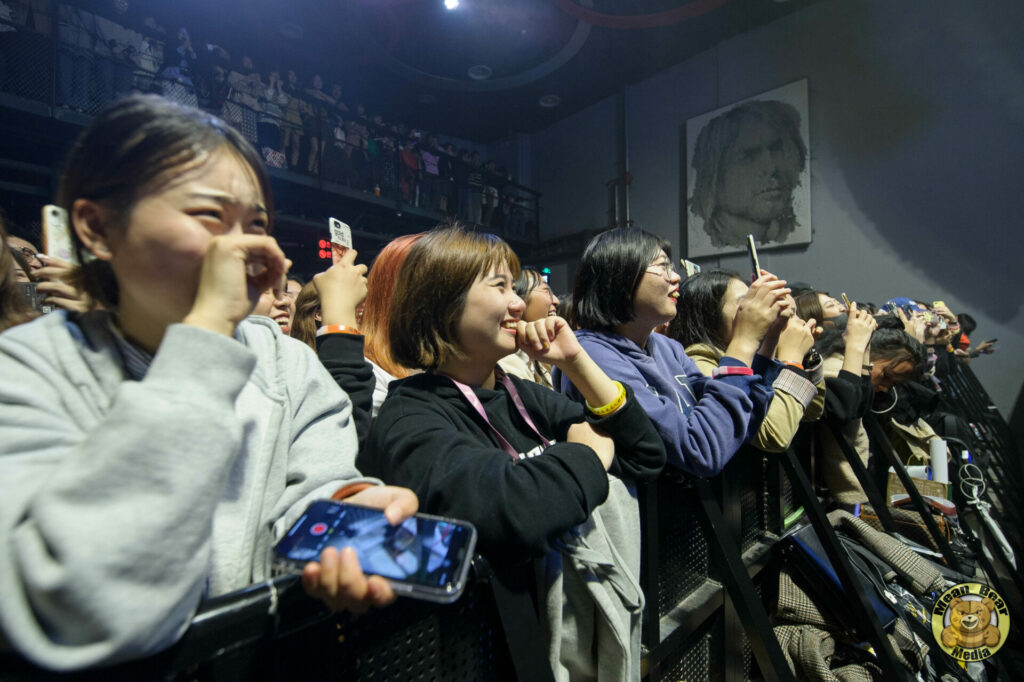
x,y
317,316
91,222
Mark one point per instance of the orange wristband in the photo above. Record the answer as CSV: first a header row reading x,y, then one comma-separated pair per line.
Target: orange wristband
x,y
337,329
351,489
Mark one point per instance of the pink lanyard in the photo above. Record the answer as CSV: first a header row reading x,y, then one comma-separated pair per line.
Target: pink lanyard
x,y
473,400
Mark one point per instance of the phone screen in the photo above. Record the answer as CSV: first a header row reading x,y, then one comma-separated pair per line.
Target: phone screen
x,y
755,264
425,556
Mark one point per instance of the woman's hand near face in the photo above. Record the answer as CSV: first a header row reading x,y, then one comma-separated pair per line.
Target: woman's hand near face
x,y
549,339
860,325
771,338
552,340
796,339
913,323
53,280
756,312
236,268
342,287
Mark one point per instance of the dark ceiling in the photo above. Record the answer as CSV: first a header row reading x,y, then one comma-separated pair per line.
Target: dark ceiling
x,y
410,59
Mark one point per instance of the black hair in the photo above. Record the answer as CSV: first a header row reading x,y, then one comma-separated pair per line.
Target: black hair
x,y
967,323
898,346
609,273
529,279
134,147
699,319
889,322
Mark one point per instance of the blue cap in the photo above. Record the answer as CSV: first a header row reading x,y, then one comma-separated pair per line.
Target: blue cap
x,y
903,302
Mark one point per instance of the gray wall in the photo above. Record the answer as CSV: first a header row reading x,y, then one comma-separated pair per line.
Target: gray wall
x,y
917,144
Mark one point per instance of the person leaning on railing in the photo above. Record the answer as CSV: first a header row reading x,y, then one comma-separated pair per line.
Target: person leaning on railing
x,y
152,453
705,325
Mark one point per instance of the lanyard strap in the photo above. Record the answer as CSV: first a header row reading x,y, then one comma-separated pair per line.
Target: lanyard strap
x,y
474,401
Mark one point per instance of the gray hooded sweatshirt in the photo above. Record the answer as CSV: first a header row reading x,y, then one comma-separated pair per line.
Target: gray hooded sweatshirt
x,y
124,502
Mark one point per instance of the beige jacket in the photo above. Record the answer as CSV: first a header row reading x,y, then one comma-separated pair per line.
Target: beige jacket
x,y
785,412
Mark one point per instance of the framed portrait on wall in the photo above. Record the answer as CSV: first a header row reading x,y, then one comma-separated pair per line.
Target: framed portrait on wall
x,y
747,170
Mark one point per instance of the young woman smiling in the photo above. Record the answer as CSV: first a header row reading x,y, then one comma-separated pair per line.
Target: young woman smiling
x,y
625,287
525,465
540,302
152,453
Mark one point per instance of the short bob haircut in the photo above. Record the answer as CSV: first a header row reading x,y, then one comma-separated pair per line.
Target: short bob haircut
x,y
135,147
431,290
609,273
699,319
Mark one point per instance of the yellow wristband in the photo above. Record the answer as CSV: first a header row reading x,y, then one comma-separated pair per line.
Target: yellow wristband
x,y
614,405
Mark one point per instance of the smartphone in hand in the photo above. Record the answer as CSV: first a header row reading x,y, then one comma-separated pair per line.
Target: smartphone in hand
x,y
341,238
755,264
424,557
57,235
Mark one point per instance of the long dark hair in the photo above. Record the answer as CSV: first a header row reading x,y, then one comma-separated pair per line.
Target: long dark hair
x,y
699,319
134,147
610,270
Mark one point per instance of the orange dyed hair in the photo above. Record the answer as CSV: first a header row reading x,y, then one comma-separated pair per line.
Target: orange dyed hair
x,y
380,285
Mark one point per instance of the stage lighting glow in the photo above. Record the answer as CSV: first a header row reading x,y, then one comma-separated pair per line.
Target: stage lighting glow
x,y
451,4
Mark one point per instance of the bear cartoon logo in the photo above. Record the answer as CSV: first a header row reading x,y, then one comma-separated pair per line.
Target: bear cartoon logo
x,y
970,621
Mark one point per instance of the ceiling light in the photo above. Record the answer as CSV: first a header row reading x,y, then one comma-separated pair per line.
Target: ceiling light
x,y
549,101
451,4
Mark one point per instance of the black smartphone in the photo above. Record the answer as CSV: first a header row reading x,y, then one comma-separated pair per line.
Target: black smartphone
x,y
755,264
425,557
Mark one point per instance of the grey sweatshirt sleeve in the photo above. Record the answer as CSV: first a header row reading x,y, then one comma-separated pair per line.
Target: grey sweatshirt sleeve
x,y
107,497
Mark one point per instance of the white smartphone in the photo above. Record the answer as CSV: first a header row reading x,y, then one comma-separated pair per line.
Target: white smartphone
x,y
341,238
57,235
425,557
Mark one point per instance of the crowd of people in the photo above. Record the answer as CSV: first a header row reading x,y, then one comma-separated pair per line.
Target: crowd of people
x,y
294,119
186,400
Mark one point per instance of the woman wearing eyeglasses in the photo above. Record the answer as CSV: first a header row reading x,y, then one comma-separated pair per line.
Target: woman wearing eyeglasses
x,y
625,287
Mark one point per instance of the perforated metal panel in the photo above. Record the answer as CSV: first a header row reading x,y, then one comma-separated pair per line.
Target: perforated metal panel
x,y
683,562
409,641
692,663
26,54
753,496
750,669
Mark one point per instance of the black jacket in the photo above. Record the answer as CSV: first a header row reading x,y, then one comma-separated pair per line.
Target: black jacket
x,y
429,438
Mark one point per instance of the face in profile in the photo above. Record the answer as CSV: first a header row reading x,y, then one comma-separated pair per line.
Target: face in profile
x,y
762,168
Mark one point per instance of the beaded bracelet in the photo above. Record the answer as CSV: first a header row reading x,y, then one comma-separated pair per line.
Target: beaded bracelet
x,y
615,404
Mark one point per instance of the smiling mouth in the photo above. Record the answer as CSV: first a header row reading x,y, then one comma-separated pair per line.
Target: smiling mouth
x,y
510,325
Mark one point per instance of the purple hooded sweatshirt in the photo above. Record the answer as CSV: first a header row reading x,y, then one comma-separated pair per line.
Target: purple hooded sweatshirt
x,y
703,421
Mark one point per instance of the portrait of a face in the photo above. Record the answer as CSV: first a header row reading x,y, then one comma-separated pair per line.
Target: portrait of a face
x,y
747,173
